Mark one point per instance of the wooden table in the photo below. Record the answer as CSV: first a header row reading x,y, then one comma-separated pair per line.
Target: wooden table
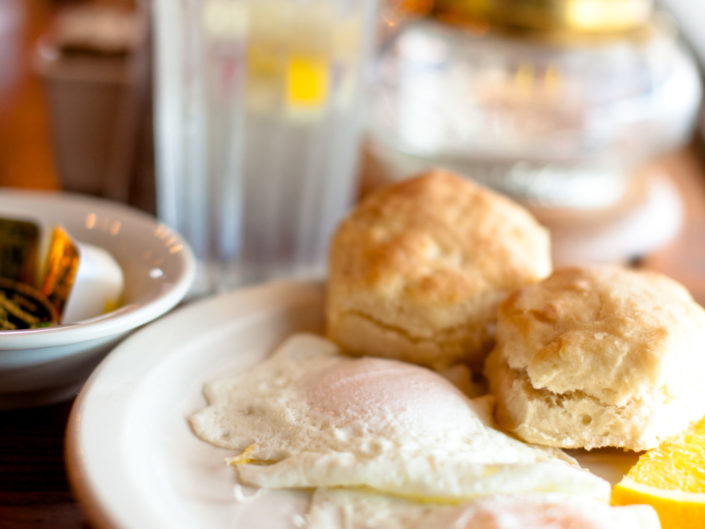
x,y
34,492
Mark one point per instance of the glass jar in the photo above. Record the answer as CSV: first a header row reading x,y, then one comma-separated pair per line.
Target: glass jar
x,y
558,111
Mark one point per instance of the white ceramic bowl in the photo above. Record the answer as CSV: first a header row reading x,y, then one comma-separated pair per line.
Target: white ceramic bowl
x,y
41,366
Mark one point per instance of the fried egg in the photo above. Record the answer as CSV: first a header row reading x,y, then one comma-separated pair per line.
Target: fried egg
x,y
344,509
311,417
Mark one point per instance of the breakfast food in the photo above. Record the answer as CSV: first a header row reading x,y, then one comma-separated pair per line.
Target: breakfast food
x,y
418,269
343,509
599,356
424,272
311,417
671,478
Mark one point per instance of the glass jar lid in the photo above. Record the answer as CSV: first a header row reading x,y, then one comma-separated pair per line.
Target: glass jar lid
x,y
554,16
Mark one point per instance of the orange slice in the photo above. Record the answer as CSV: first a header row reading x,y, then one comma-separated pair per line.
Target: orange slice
x,y
671,478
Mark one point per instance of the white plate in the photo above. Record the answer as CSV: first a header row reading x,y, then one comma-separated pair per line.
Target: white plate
x,y
132,458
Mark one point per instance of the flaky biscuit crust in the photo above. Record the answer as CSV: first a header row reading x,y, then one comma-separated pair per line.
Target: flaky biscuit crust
x,y
599,356
418,269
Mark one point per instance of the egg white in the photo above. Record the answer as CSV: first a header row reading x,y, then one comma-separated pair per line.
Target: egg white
x,y
311,417
347,509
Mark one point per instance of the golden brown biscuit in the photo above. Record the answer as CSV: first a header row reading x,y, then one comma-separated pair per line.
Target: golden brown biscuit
x,y
418,269
599,356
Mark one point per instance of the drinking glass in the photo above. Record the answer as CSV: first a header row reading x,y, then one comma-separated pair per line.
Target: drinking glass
x,y
258,116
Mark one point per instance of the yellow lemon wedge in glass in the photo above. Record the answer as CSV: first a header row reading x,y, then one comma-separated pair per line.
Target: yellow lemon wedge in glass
x,y
671,478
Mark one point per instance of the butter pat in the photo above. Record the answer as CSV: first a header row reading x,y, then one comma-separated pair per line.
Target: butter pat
x,y
97,286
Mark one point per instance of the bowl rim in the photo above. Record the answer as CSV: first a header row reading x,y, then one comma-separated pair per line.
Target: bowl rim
x,y
126,317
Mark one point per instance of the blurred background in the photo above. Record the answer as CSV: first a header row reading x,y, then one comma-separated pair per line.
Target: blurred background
x,y
587,112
